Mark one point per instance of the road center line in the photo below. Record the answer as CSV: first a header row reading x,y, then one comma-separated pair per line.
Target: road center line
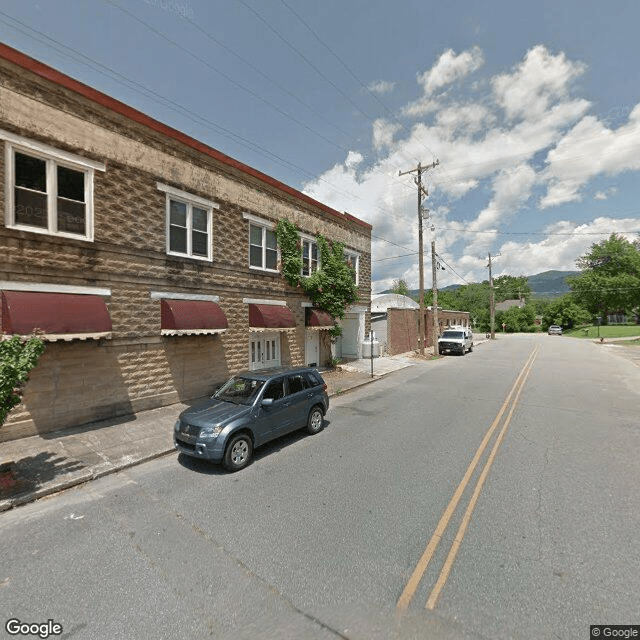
x,y
457,541
421,567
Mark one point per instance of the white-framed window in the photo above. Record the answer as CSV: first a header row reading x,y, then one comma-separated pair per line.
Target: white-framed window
x,y
48,191
263,245
263,248
189,224
353,260
310,256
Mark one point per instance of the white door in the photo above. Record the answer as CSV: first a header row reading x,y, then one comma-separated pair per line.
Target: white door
x,y
264,351
312,348
349,337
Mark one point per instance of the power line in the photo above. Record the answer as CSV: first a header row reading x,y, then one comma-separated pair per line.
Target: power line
x,y
303,57
348,68
223,74
451,268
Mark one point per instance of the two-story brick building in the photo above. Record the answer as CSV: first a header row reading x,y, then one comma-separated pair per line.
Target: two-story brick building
x,y
149,259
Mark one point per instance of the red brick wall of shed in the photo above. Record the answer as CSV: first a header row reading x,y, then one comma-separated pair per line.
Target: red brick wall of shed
x,y
402,330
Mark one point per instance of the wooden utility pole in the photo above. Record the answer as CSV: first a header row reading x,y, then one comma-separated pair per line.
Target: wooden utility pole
x,y
492,303
436,326
421,191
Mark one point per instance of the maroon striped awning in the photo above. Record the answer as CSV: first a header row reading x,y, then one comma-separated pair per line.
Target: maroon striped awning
x,y
61,316
270,316
181,317
318,319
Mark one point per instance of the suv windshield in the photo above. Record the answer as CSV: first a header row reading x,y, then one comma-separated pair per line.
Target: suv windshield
x,y
453,334
239,390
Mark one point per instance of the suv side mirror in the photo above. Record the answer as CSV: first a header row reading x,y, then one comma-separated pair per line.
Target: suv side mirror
x,y
266,402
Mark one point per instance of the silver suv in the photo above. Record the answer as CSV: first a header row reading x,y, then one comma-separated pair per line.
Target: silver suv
x,y
250,409
456,340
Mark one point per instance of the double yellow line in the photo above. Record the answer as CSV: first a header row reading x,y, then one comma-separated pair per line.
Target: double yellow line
x,y
423,563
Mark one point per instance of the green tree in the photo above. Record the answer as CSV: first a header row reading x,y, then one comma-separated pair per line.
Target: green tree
x,y
516,319
17,358
565,312
400,287
511,288
610,277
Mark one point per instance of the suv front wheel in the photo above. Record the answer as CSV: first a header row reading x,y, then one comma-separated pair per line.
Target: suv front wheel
x,y
238,453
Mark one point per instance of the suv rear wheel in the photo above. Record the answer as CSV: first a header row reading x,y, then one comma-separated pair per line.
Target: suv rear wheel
x,y
315,421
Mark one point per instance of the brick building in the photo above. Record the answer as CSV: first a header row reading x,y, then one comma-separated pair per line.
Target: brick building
x,y
147,258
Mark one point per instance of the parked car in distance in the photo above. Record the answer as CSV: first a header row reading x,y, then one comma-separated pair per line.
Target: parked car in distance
x,y
250,409
555,330
455,340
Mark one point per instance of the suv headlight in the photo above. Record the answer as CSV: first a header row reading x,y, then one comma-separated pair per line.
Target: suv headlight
x,y
209,433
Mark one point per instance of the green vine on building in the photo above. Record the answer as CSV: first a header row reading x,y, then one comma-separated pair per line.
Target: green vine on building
x,y
332,287
17,358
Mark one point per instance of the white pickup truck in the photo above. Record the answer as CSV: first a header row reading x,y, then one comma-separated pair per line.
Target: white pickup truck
x,y
455,340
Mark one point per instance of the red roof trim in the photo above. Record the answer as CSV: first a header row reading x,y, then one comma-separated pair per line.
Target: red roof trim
x,y
271,316
44,71
54,313
185,315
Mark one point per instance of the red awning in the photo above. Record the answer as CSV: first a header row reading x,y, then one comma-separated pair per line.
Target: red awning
x,y
270,316
319,319
61,316
181,317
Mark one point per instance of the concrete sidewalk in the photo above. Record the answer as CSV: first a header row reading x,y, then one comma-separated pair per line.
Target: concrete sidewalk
x,y
37,466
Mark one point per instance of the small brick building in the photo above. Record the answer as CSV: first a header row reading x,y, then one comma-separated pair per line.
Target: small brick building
x,y
402,327
148,258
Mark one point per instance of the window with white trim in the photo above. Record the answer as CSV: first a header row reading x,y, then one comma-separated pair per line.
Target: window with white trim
x,y
310,257
353,260
189,224
263,247
48,194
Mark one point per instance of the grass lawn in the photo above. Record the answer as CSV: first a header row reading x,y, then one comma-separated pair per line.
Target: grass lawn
x,y
609,331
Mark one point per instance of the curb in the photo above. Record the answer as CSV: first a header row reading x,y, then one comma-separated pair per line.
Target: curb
x,y
82,478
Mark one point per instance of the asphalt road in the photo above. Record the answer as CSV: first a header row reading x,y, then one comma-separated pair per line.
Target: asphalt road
x,y
394,522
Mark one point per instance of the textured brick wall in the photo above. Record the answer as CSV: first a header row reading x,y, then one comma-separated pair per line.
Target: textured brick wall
x,y
83,381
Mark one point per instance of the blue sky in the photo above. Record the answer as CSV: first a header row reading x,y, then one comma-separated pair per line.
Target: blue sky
x,y
531,109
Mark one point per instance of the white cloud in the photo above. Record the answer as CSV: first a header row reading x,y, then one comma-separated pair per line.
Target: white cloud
x,y
511,189
605,195
381,87
449,68
384,133
565,242
522,141
353,159
539,79
588,150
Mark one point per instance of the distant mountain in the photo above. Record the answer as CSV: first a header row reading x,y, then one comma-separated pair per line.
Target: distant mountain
x,y
548,284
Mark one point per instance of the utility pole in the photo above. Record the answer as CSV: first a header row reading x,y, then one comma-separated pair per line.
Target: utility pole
x,y
421,191
492,304
436,326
